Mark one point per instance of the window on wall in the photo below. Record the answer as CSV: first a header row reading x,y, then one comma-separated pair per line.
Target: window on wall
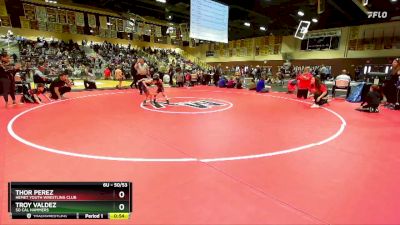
x,y
321,43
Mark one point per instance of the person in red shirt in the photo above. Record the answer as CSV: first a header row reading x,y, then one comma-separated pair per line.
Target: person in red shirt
x,y
304,83
320,94
107,73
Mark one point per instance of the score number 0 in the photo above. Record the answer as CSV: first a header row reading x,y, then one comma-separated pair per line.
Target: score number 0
x,y
121,206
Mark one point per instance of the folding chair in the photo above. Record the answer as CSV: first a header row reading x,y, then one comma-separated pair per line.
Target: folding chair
x,y
343,85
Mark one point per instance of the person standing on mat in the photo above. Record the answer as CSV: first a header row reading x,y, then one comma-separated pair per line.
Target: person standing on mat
x,y
320,94
7,73
160,88
304,83
142,71
134,75
60,86
144,85
389,88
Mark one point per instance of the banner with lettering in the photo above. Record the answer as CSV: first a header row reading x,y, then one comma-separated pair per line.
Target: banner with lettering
x,y
146,29
80,29
3,9
140,27
58,28
65,28
71,19
30,11
92,20
113,22
51,27
25,23
80,19
5,21
62,16
52,15
102,32
158,31
34,25
129,26
113,34
103,23
153,29
42,26
120,25
41,13
73,29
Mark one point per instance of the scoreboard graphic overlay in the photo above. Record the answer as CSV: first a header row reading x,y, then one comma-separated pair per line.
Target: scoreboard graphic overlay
x,y
70,200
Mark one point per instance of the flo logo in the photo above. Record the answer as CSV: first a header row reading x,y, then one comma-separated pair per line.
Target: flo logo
x,y
377,14
189,105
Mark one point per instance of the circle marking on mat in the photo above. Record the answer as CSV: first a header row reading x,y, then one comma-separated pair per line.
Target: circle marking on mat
x,y
189,159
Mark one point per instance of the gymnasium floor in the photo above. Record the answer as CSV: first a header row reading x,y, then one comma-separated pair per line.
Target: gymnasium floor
x,y
235,157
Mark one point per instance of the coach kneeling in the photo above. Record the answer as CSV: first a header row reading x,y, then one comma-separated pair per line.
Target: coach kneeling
x,y
60,86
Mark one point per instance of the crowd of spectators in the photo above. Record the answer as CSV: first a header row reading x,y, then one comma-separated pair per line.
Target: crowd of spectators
x,y
52,62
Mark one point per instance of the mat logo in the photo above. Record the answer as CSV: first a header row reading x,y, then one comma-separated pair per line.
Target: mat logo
x,y
198,104
189,105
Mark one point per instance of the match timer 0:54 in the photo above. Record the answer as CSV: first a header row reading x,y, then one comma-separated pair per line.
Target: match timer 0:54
x,y
70,200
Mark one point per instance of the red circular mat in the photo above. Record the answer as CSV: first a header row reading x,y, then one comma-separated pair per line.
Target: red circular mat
x,y
221,123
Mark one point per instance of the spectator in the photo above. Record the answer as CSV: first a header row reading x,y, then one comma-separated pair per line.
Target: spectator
x,y
90,81
179,78
222,82
188,78
261,88
344,76
39,77
119,76
231,83
323,71
107,73
342,82
304,83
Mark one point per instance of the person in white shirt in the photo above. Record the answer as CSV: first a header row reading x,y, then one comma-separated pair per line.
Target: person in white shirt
x,y
342,82
344,76
142,68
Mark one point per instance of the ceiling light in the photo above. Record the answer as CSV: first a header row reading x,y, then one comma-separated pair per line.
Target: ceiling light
x,y
314,20
162,1
263,28
393,0
247,24
300,13
169,17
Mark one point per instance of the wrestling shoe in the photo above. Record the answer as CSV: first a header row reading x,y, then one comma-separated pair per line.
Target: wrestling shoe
x,y
315,106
